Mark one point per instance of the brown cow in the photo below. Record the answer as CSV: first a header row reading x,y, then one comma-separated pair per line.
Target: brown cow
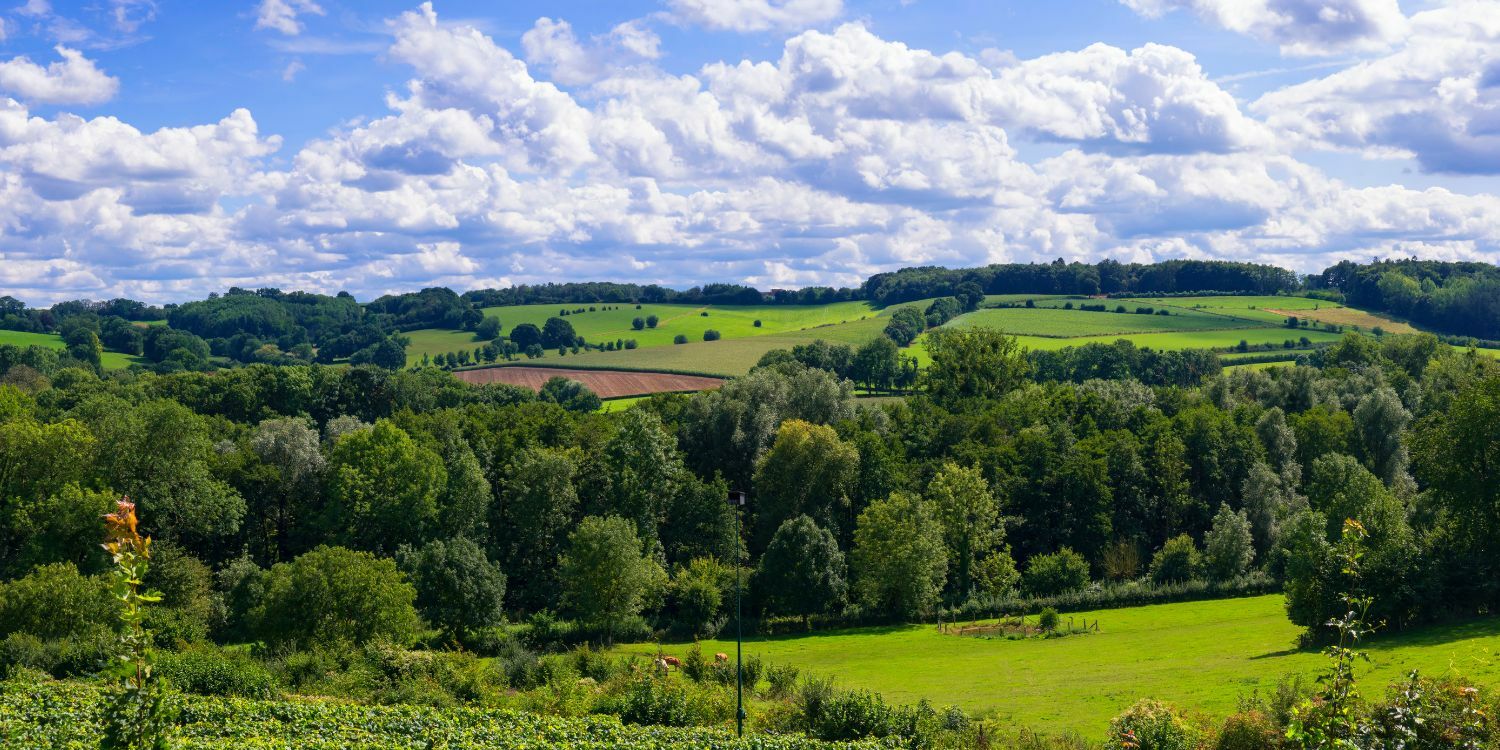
x,y
721,657
672,661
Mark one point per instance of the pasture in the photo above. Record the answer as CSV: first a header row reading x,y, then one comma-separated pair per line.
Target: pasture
x,y
1201,656
109,360
1055,322
731,321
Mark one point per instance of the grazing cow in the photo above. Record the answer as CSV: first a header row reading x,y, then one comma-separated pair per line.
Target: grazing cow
x,y
672,661
721,657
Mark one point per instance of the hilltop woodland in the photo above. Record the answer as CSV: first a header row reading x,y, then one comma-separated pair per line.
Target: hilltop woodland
x,y
337,517
268,326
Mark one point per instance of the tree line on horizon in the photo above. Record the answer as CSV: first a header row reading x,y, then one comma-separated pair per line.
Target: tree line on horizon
x,y
276,327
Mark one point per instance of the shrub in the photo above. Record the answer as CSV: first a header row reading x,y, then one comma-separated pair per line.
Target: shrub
x,y
207,670
630,344
693,665
656,701
1048,619
851,715
78,655
335,596
638,323
1228,548
679,339
1151,725
757,323
55,601
1177,560
703,314
1249,730
782,679
651,321
1057,573
710,335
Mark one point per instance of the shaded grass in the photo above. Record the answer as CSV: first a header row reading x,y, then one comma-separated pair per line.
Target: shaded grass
x,y
1199,655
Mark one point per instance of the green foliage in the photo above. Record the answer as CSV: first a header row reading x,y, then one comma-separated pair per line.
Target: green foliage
x,y
973,363
382,488
606,578
137,715
1057,573
1228,548
335,597
458,589
1178,560
807,471
1334,721
207,670
970,516
802,571
899,561
1151,725
1047,620
30,711
569,394
55,601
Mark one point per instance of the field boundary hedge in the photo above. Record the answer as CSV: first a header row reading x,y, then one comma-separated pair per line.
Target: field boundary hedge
x,y
554,365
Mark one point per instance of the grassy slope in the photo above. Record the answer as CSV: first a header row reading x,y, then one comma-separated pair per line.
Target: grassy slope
x,y
1199,655
110,360
1069,323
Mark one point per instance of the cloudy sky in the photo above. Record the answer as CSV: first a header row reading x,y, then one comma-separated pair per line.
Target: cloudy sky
x,y
163,149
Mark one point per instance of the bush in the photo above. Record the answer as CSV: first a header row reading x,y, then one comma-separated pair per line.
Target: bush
x,y
782,679
757,323
1151,725
335,596
1048,619
1057,573
55,601
211,671
638,324
1249,730
710,335
851,715
679,339
651,321
1228,549
1177,560
79,655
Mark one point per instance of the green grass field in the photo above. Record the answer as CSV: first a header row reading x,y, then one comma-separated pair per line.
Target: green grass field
x,y
1058,322
1199,655
110,360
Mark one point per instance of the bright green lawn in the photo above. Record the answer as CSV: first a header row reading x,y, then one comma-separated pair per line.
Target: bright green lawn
x,y
110,360
1199,655
1041,321
1248,307
621,404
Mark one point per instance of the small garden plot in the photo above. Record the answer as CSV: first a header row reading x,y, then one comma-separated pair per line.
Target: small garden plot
x,y
1046,625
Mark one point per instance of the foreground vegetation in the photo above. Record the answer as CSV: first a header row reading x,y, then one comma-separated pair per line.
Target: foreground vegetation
x,y
1204,657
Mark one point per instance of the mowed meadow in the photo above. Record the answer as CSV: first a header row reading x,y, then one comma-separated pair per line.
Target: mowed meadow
x,y
1201,656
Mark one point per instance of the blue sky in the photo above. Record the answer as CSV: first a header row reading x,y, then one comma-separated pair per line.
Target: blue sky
x,y
164,149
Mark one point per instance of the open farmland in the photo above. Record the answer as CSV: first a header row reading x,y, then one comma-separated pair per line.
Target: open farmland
x,y
731,321
605,383
1198,655
110,360
1063,323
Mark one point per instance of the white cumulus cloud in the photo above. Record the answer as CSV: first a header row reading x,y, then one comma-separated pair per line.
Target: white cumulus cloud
x,y
1299,27
74,79
1436,99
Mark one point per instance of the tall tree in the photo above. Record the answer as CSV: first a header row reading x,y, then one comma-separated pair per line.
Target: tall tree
x,y
802,571
899,560
606,576
970,516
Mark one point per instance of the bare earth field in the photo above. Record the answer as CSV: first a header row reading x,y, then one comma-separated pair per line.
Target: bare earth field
x,y
606,383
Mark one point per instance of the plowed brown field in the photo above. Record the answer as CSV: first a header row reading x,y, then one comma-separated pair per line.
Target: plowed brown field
x,y
606,383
